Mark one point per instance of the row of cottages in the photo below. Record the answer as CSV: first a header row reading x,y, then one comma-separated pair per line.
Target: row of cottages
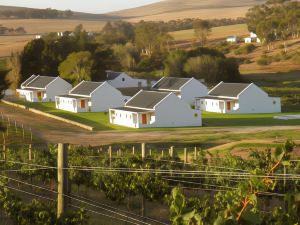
x,y
155,109
238,98
90,96
43,88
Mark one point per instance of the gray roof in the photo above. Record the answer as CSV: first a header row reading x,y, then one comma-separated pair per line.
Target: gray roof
x,y
146,99
111,75
26,82
85,88
171,83
132,109
228,89
131,91
40,82
71,96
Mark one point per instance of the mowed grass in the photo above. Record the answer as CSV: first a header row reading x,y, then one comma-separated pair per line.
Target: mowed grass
x,y
217,32
229,120
100,120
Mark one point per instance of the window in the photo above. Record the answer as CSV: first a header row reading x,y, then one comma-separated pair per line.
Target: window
x,y
196,115
123,79
202,102
274,102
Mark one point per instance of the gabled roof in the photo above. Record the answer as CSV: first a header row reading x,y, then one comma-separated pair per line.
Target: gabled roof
x,y
85,88
39,82
26,82
111,75
146,99
228,89
170,83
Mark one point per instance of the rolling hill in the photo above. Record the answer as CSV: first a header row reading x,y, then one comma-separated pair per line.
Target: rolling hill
x,y
179,9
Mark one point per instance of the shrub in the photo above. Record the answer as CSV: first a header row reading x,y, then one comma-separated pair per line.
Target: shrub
x,y
264,60
245,49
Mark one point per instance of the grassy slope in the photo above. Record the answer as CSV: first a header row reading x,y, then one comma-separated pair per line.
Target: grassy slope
x,y
100,121
178,9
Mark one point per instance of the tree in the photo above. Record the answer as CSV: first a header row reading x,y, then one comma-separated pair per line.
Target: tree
x,y
127,55
174,63
77,67
202,67
202,29
13,77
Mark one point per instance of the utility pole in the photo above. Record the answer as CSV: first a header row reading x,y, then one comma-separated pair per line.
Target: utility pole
x,y
62,178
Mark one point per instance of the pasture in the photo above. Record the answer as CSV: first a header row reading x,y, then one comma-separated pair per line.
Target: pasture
x,y
15,43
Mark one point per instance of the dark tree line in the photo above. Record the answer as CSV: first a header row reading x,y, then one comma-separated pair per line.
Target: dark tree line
x,y
6,30
36,14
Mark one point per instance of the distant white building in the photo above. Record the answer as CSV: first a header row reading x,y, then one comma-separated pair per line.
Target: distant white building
x,y
123,80
185,88
232,39
252,38
43,88
90,96
38,36
155,109
238,98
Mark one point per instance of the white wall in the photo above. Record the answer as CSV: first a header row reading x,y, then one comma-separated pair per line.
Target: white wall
x,y
193,89
124,118
71,105
123,81
174,112
58,87
106,97
255,100
212,105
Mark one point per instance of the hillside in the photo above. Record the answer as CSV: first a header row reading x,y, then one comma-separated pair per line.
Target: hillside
x,y
76,16
178,9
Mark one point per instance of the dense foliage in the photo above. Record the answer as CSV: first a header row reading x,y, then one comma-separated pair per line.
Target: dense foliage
x,y
27,13
275,20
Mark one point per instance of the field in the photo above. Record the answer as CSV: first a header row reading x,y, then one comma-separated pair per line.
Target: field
x,y
217,33
15,43
205,9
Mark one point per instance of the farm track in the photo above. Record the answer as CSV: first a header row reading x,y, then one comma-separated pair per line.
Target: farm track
x,y
53,131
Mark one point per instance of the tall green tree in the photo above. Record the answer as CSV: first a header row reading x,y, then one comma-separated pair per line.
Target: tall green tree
x,y
202,29
13,77
77,67
174,63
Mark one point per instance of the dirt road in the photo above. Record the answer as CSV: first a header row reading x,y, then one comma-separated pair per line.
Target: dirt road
x,y
53,131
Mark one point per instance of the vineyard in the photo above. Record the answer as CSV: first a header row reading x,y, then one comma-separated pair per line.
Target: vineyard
x,y
146,184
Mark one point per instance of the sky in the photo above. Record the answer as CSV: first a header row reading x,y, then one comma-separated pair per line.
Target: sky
x,y
91,6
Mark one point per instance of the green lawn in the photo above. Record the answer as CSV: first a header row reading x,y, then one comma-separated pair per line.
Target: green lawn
x,y
222,120
99,120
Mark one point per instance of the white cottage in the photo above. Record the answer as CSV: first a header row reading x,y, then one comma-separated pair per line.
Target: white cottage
x,y
90,96
238,98
43,88
232,39
123,80
252,38
185,88
155,109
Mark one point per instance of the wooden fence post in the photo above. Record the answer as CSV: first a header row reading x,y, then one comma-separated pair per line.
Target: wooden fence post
x,y
4,146
110,155
23,131
195,153
30,152
133,150
172,151
62,179
185,156
162,153
143,151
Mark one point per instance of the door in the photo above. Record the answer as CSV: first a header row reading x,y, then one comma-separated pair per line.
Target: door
x,y
144,118
82,104
139,84
228,105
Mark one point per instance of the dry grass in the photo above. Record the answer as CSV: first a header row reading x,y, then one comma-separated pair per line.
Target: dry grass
x,y
9,44
34,26
217,32
178,9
